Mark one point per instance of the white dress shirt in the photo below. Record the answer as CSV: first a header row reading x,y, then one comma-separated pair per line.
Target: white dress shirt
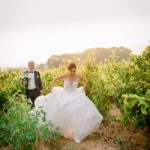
x,y
31,81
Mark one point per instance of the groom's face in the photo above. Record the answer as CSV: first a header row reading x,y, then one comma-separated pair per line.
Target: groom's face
x,y
31,66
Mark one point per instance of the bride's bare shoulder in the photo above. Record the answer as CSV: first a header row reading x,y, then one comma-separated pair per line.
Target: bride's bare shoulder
x,y
78,76
65,75
60,77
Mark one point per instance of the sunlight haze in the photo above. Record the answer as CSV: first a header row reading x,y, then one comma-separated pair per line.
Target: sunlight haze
x,y
37,29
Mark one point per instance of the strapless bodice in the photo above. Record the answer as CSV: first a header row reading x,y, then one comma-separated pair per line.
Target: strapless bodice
x,y
70,86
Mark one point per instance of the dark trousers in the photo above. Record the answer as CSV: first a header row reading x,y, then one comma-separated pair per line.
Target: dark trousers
x,y
32,94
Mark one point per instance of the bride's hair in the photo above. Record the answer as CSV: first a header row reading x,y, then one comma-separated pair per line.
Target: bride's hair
x,y
71,66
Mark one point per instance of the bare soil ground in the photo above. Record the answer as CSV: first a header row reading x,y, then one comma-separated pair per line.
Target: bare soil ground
x,y
111,135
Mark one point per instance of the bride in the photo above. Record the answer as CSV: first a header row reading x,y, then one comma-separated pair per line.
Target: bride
x,y
69,108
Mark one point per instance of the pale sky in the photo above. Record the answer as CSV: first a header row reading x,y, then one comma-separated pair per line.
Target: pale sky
x,y
36,29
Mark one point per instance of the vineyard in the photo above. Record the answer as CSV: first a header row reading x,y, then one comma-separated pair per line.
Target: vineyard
x,y
123,83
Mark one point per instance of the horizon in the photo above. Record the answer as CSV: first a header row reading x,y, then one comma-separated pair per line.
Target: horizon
x,y
36,29
25,65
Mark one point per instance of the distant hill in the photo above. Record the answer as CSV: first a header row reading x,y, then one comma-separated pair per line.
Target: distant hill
x,y
99,55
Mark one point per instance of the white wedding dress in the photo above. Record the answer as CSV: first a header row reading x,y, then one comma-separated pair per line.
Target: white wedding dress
x,y
71,110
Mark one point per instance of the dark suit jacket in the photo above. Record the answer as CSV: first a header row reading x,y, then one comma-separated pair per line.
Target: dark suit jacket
x,y
38,81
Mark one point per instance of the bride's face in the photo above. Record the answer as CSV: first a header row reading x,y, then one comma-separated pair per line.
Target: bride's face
x,y
72,71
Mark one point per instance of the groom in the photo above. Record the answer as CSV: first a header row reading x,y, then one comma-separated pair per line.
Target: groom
x,y
33,85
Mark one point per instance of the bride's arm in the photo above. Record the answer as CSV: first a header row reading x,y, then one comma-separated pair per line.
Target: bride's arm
x,y
56,79
84,81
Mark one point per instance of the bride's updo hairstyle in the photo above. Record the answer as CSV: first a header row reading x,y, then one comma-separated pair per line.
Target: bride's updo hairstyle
x,y
72,66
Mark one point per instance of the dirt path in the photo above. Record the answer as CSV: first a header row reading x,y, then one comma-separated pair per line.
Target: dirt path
x,y
112,135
